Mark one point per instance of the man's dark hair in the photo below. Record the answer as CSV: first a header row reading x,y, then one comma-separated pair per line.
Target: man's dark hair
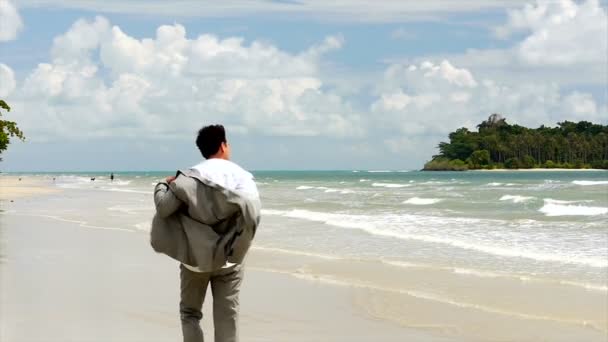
x,y
209,139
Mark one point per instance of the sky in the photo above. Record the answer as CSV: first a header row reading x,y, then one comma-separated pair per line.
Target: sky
x,y
121,85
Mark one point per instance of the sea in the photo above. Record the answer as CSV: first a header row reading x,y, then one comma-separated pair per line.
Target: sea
x,y
544,225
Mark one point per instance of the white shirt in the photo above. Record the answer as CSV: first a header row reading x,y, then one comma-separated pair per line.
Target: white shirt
x,y
229,175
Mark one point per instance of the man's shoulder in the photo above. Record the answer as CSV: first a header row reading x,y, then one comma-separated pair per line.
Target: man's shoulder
x,y
217,165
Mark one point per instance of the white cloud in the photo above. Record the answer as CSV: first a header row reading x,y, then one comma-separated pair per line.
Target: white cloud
x,y
414,102
10,21
7,80
562,42
581,106
103,82
561,33
337,10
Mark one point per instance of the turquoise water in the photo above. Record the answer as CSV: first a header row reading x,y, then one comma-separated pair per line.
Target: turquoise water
x,y
546,224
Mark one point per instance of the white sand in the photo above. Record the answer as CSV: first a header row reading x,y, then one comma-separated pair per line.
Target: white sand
x,y
13,187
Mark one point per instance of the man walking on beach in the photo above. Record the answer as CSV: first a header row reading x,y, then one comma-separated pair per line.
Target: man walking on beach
x,y
225,277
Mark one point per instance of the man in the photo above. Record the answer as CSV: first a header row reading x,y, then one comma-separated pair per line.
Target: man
x,y
191,204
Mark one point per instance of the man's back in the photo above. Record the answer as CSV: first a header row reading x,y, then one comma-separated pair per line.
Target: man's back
x,y
227,174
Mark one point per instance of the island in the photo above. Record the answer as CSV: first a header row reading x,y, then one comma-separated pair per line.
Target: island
x,y
499,145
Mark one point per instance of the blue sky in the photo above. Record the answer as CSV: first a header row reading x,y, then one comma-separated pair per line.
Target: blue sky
x,y
122,85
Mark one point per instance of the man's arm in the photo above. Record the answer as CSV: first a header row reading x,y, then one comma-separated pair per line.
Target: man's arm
x,y
164,199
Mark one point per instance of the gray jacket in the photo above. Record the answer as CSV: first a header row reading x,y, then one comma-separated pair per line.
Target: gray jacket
x,y
200,223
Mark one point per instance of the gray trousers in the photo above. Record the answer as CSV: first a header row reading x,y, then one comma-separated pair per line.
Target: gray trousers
x,y
225,285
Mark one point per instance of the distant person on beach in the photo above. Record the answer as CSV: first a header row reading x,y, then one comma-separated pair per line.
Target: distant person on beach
x,y
112,177
226,274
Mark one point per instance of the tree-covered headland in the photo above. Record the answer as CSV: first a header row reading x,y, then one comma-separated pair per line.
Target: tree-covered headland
x,y
498,145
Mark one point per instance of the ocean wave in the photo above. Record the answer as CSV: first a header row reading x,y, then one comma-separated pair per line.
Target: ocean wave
x,y
436,182
379,171
554,201
383,227
553,209
120,182
422,201
326,189
516,198
304,187
390,185
587,182
500,184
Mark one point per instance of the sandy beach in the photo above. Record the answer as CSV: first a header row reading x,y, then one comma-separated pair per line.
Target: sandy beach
x,y
71,271
13,187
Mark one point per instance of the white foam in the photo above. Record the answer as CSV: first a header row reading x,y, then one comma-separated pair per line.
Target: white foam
x,y
383,226
422,201
587,182
500,184
326,189
363,180
552,209
304,187
476,273
379,171
554,201
121,182
390,185
516,198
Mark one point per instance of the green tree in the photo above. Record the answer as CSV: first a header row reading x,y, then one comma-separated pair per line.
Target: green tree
x,y
8,129
569,144
479,158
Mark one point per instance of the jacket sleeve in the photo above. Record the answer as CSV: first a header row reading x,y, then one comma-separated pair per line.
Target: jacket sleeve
x,y
165,200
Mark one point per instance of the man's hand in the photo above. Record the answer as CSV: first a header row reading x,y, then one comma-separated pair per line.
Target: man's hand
x,y
170,179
